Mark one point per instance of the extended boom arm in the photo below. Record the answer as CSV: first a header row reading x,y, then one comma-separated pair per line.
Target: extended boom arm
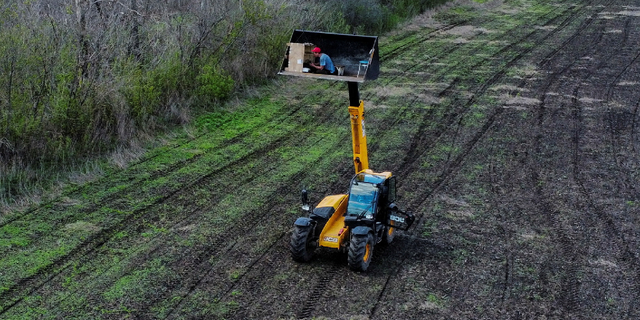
x,y
358,135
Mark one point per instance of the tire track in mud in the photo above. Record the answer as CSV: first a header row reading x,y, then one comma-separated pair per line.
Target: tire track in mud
x,y
229,286
319,290
219,246
569,282
104,235
585,24
419,147
456,163
401,50
415,152
27,286
135,181
245,228
613,232
509,259
568,243
617,122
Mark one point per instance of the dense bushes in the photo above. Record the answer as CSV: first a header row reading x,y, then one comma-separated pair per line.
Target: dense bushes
x,y
80,78
213,84
375,16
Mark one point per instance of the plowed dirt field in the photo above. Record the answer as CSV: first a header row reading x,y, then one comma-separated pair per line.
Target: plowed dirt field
x,y
512,127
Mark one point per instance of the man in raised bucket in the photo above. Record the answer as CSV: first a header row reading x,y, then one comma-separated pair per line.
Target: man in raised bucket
x,y
325,65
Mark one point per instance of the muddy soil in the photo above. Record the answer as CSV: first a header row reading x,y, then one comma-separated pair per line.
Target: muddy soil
x,y
513,130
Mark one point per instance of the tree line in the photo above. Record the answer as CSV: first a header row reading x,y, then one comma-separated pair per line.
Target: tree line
x,y
80,77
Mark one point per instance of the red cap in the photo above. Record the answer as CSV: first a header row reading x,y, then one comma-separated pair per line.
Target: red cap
x,y
316,49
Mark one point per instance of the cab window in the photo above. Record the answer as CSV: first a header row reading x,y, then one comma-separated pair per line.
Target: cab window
x,y
362,197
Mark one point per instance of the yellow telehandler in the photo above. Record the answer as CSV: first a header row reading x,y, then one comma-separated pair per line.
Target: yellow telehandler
x,y
367,215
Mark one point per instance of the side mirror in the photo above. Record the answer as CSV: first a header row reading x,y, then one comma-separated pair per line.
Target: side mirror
x,y
305,200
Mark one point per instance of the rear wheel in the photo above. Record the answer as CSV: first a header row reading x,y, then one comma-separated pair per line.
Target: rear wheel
x,y
301,245
360,252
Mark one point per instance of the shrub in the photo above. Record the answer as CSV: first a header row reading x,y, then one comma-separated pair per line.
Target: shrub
x,y
214,84
368,15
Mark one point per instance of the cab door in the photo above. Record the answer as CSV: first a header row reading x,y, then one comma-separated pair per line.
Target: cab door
x,y
391,196
395,217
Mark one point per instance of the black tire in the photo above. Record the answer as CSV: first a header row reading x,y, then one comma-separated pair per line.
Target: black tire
x,y
301,245
389,233
360,252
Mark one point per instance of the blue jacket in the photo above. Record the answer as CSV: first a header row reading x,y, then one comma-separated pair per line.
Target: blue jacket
x,y
327,63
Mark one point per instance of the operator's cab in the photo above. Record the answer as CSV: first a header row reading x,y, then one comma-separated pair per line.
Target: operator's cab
x,y
368,193
371,202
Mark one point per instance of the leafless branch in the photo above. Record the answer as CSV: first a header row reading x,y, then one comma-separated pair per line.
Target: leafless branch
x,y
129,9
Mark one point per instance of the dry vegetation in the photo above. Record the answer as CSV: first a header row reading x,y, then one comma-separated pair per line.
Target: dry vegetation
x,y
83,78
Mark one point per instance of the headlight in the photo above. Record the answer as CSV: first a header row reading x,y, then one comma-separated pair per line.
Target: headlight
x,y
369,216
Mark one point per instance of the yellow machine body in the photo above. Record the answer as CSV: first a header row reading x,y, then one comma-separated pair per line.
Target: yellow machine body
x,y
334,231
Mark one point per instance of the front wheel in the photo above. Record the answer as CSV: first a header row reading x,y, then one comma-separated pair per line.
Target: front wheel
x,y
360,252
301,245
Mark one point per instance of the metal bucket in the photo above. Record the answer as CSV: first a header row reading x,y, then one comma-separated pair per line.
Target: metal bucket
x,y
347,51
